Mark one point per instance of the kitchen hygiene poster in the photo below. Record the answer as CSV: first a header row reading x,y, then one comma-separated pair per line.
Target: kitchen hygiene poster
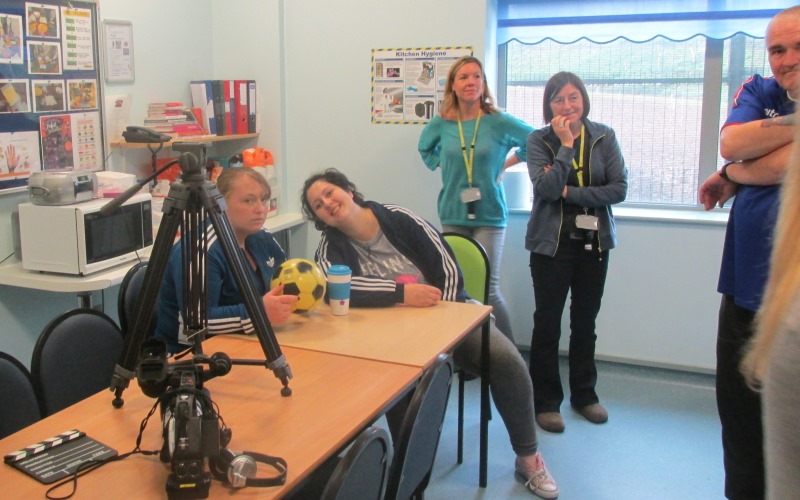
x,y
408,84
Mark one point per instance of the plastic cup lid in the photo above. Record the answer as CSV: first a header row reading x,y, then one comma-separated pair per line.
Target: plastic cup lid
x,y
339,269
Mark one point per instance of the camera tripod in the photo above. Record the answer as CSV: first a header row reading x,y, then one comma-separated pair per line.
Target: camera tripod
x,y
191,199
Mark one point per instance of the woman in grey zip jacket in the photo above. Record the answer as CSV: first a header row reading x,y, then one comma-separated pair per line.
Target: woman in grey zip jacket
x,y
578,172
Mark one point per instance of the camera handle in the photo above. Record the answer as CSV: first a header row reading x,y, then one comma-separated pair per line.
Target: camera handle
x,y
189,198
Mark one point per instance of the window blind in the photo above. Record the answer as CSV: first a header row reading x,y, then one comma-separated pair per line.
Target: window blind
x,y
567,21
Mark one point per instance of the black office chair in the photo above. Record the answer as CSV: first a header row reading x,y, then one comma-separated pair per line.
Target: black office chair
x,y
474,264
129,291
74,357
418,439
361,473
19,406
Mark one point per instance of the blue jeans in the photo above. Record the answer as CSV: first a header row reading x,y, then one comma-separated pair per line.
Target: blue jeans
x,y
584,273
492,239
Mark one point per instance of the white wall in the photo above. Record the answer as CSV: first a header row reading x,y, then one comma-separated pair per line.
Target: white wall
x,y
247,37
312,61
660,302
328,47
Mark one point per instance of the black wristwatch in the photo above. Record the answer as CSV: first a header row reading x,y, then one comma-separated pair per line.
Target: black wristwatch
x,y
723,172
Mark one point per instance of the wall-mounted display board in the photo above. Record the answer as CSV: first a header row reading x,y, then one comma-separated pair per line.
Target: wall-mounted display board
x,y
50,95
408,84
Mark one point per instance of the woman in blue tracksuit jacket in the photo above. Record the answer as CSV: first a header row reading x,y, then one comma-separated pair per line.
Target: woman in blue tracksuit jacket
x,y
578,172
246,194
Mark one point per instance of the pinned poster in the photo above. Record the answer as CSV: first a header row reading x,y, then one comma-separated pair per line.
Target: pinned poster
x,y
408,84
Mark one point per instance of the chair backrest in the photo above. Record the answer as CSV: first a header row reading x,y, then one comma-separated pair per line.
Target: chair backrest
x,y
19,407
361,473
474,264
74,357
129,295
418,439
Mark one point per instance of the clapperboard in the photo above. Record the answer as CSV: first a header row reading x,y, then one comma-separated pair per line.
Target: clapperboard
x,y
58,456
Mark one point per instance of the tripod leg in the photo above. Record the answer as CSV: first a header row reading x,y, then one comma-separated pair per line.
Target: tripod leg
x,y
125,369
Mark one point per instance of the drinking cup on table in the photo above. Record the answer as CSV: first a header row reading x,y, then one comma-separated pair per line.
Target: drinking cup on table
x,y
339,289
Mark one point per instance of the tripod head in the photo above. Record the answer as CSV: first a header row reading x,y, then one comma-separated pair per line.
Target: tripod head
x,y
192,159
193,200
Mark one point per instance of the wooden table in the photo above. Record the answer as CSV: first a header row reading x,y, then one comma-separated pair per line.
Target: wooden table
x,y
334,398
404,335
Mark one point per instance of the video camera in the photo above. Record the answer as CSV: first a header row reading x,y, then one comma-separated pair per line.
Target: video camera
x,y
190,422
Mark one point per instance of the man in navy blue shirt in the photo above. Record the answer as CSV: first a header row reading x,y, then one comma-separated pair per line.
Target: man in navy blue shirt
x,y
757,140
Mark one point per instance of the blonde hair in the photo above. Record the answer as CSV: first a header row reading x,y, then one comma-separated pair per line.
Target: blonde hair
x,y
450,101
783,283
230,175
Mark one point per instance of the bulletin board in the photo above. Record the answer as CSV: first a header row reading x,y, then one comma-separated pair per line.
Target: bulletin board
x,y
50,93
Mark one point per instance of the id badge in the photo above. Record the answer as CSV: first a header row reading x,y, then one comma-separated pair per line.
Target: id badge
x,y
588,222
470,194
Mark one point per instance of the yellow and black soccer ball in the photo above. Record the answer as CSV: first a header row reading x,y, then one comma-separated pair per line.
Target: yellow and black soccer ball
x,y
303,278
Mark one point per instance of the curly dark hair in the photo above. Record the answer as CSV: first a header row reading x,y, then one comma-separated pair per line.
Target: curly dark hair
x,y
334,177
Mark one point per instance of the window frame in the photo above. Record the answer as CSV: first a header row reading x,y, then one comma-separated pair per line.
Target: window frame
x,y
708,155
708,160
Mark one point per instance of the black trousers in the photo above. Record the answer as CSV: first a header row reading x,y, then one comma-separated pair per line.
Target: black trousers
x,y
739,406
584,273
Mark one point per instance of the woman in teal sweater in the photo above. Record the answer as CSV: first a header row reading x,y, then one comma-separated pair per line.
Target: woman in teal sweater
x,y
470,141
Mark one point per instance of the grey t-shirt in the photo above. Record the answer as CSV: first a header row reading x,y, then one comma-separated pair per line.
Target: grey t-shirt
x,y
378,257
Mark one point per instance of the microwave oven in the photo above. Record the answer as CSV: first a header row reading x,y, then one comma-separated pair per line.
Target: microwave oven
x,y
78,239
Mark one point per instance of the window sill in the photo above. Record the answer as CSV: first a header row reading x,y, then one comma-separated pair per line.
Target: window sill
x,y
714,217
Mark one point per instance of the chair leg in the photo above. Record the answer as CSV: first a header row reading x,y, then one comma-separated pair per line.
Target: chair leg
x,y
460,452
485,407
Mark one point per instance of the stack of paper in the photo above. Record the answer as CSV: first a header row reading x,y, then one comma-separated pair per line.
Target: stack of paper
x,y
173,118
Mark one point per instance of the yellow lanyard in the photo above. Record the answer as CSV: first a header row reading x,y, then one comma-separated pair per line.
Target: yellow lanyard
x,y
468,162
579,166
